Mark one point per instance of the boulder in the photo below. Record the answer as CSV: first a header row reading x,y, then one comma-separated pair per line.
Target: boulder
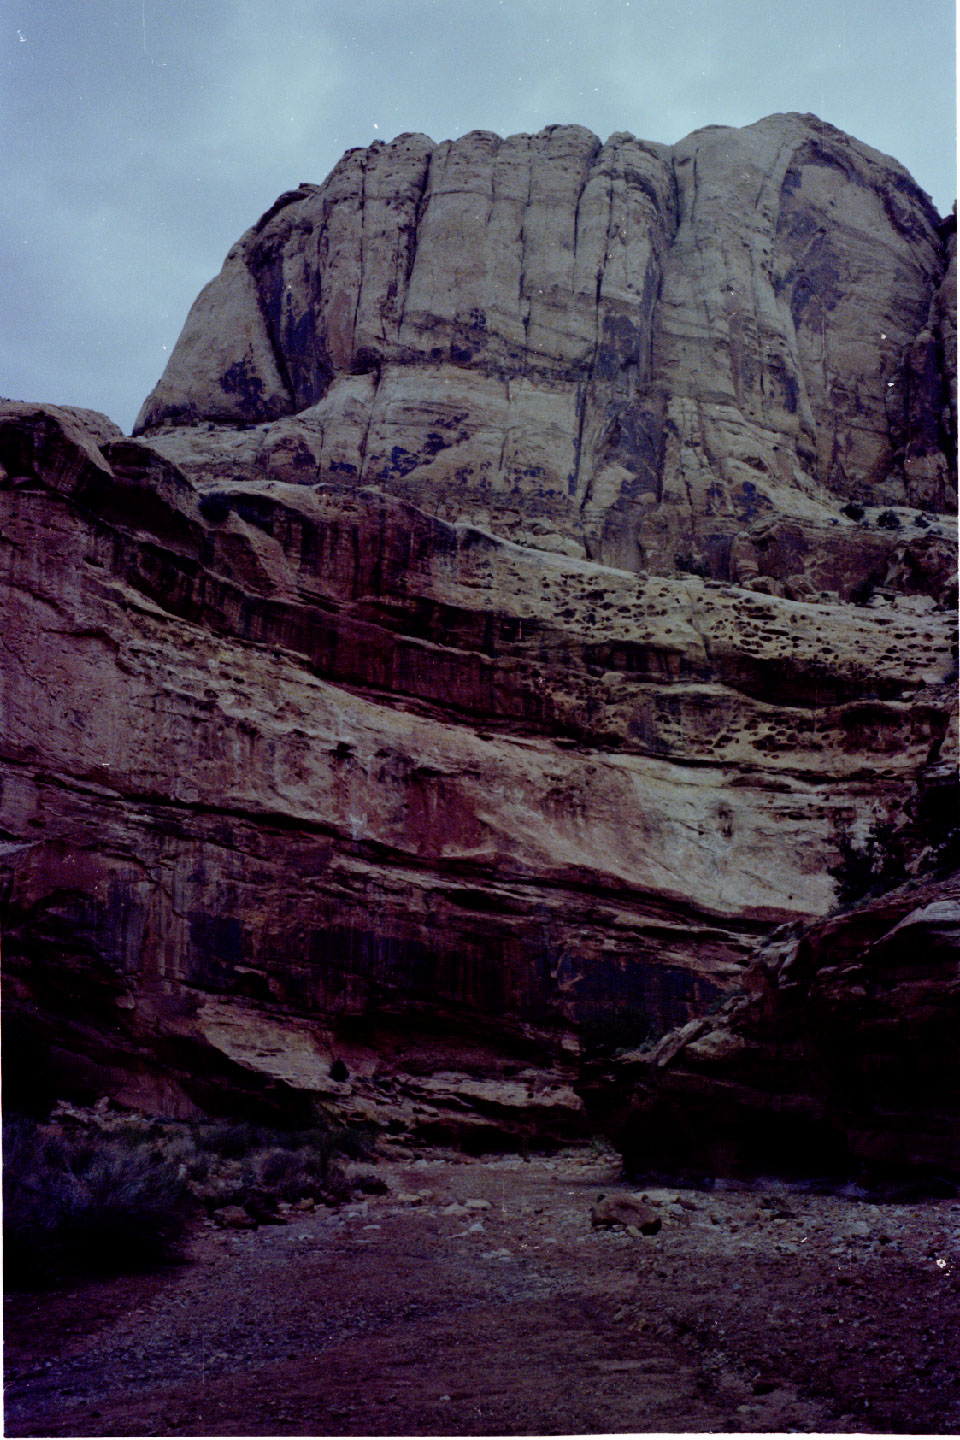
x,y
234,1217
625,1212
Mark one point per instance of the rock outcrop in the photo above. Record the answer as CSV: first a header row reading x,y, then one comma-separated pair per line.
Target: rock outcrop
x,y
533,569
836,1058
656,357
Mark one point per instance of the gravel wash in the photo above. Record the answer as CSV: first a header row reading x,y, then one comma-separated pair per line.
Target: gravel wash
x,y
478,1298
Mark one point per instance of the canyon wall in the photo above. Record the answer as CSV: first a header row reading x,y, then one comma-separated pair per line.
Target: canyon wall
x,y
835,1057
533,572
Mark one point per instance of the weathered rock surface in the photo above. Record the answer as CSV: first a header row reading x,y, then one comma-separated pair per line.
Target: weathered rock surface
x,y
837,1056
658,357
533,570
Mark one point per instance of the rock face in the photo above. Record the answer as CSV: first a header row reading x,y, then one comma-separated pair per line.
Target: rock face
x,y
658,358
837,1056
532,572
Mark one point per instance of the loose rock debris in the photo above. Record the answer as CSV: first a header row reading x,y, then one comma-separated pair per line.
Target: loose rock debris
x,y
751,1309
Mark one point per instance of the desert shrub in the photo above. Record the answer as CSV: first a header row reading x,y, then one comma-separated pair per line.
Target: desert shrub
x,y
869,867
227,1162
617,1027
888,520
315,1137
689,562
355,1143
235,1189
853,509
368,1183
181,1150
303,1173
88,1204
214,506
229,1139
132,1132
276,1166
864,590
337,1187
198,1167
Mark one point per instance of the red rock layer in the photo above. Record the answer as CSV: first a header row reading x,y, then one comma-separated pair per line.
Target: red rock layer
x,y
533,577
838,1056
288,778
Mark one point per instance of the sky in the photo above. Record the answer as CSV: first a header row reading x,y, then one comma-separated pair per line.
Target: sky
x,y
142,137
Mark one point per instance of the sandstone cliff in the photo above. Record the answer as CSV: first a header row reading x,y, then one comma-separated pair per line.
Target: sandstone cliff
x,y
654,357
533,569
837,1056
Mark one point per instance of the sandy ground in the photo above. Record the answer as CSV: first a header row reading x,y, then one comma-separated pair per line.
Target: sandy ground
x,y
762,1309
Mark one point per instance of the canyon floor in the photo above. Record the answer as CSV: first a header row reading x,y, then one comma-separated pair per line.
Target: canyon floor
x,y
477,1298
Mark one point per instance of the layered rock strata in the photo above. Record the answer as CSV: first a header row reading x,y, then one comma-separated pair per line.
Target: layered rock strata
x,y
533,570
836,1058
656,357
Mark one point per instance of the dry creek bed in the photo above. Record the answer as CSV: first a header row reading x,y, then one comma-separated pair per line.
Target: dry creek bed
x,y
477,1298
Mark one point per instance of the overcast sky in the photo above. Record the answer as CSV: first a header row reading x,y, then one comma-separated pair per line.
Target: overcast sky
x,y
142,137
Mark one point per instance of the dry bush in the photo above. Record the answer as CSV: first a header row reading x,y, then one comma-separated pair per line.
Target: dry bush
x,y
255,1165
85,1204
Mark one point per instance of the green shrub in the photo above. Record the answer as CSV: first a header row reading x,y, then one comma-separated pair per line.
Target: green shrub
x,y
89,1204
